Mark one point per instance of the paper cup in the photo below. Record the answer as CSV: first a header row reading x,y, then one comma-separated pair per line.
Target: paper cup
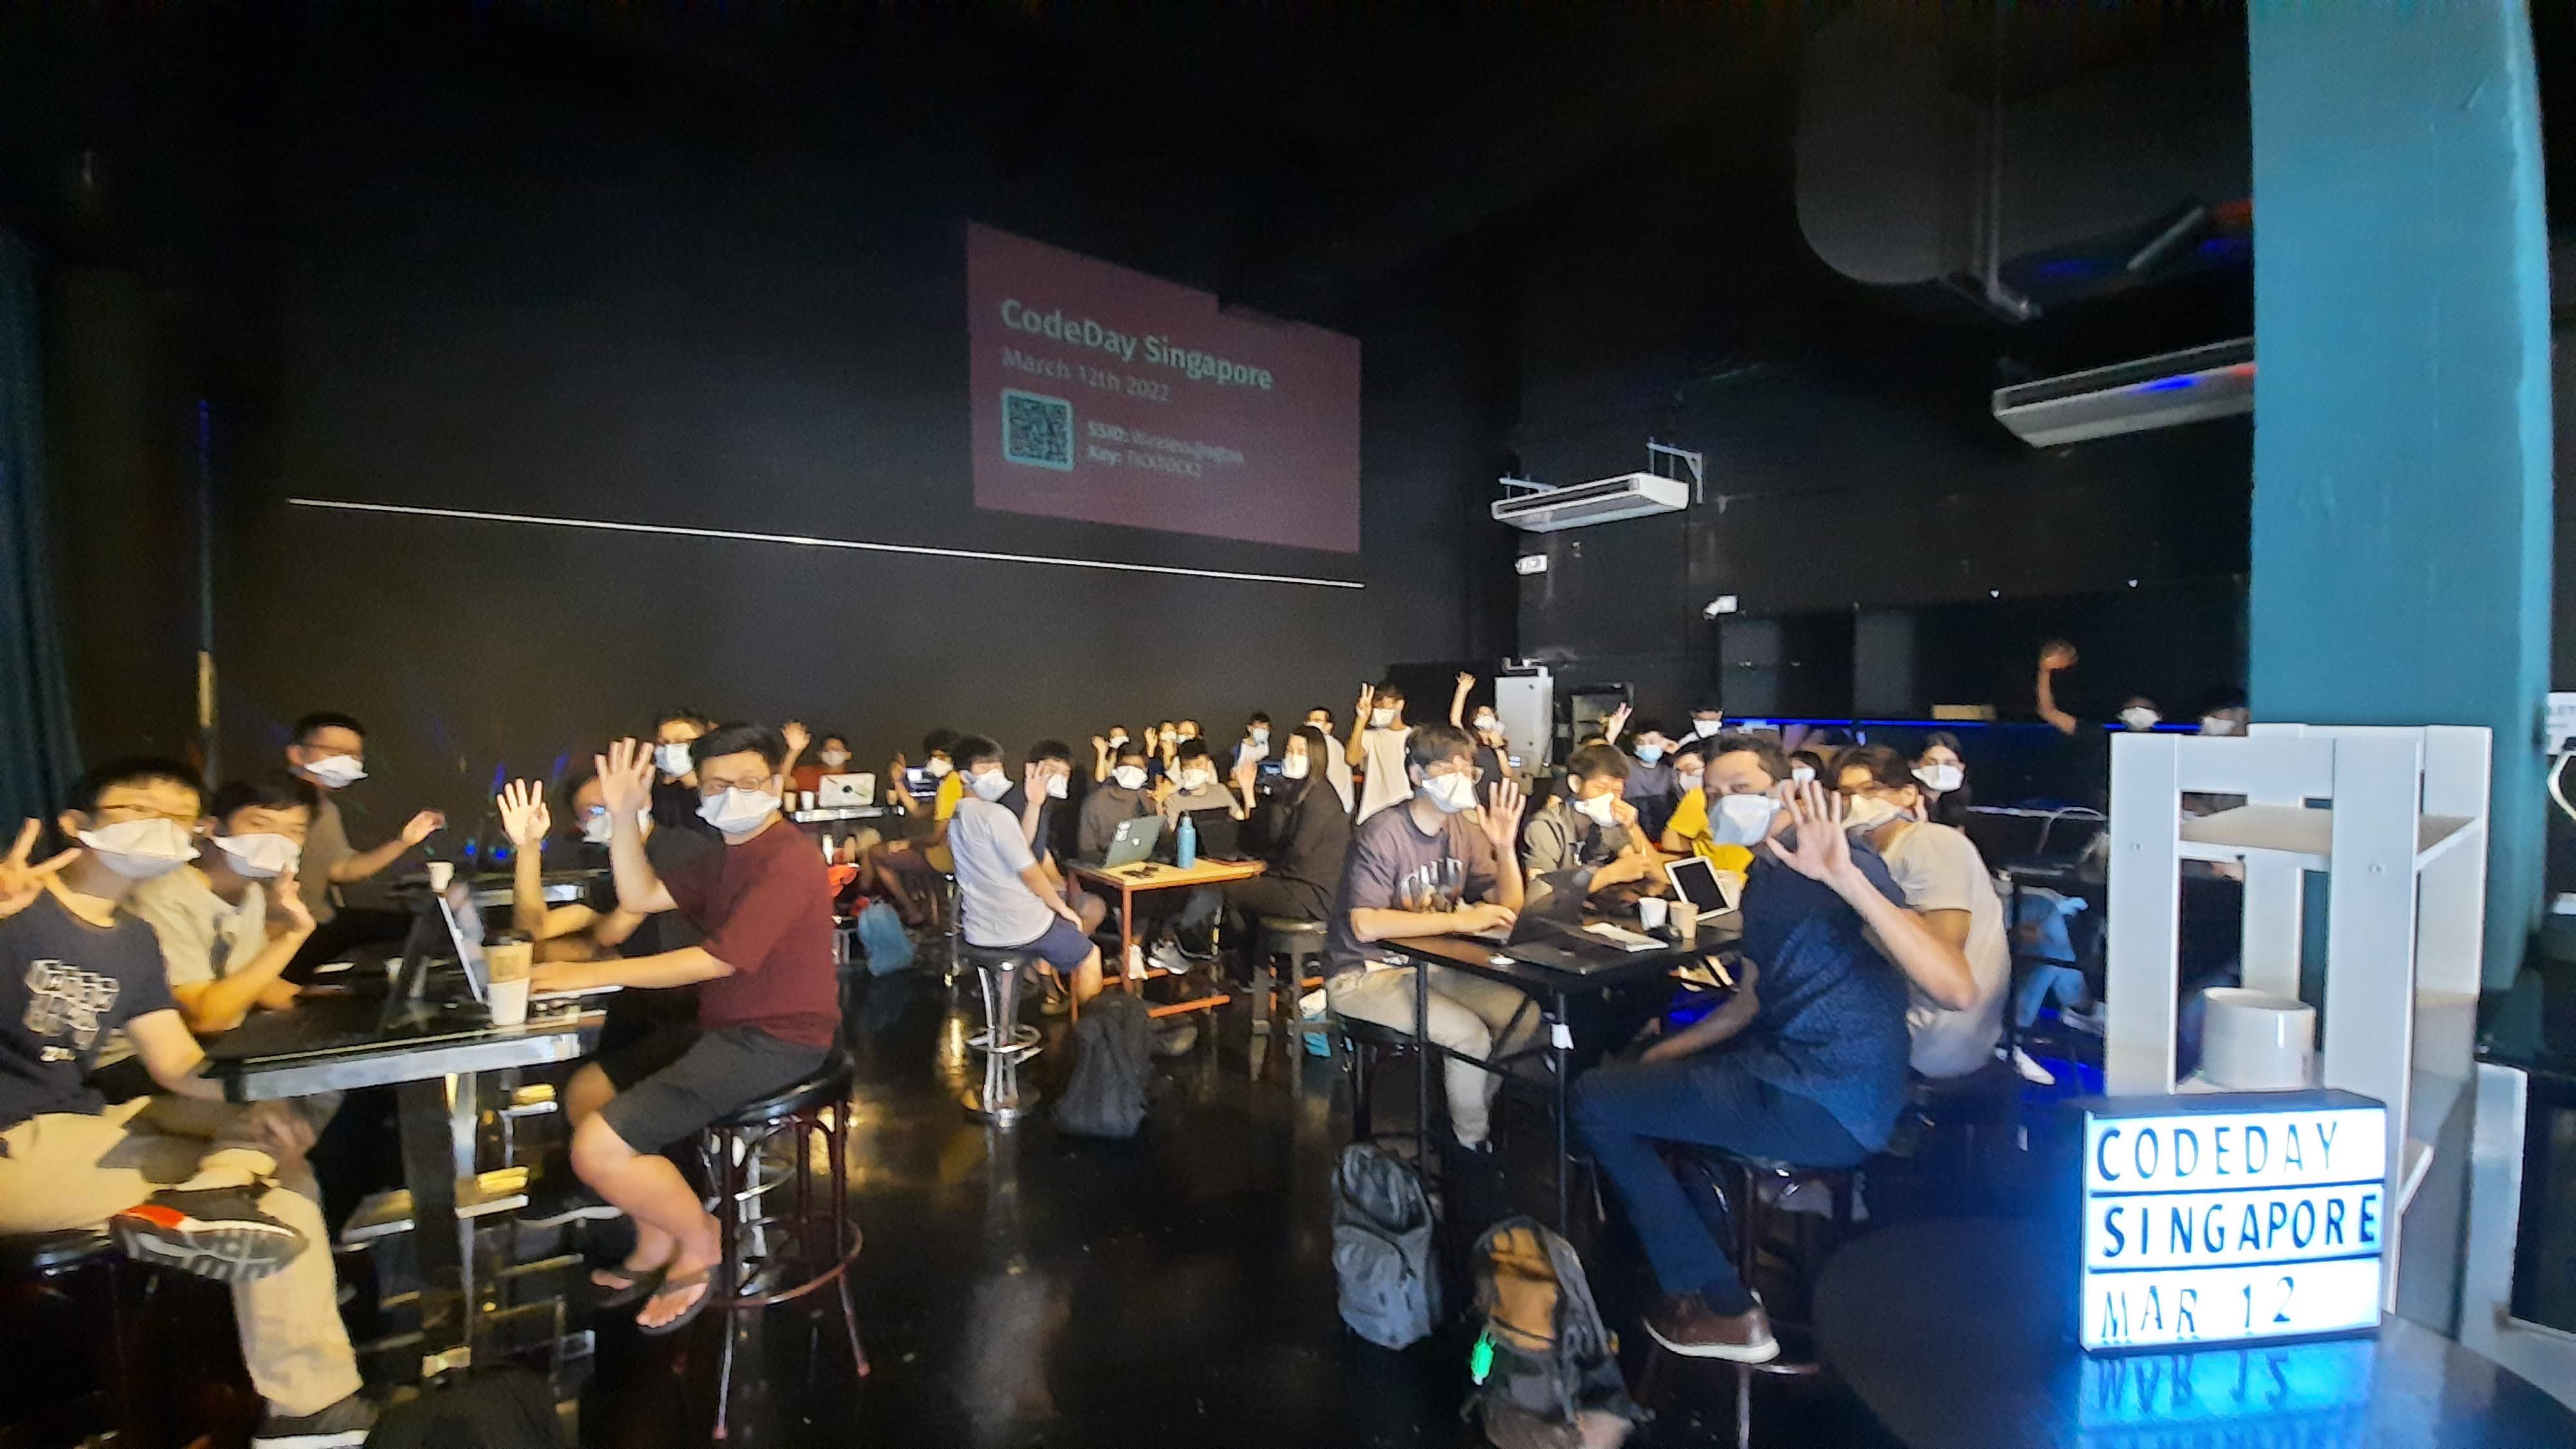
x,y
509,1001
1650,912
440,873
1685,922
509,958
807,797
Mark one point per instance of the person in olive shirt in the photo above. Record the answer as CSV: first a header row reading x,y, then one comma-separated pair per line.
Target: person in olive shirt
x,y
329,750
768,1000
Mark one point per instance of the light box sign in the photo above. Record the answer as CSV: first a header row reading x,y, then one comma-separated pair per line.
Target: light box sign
x,y
2226,1218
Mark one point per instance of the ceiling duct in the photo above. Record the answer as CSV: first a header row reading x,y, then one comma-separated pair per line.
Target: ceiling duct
x,y
2216,381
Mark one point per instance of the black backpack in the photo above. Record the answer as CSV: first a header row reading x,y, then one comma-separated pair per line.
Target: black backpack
x,y
1389,1290
1546,1367
497,1408
1113,1062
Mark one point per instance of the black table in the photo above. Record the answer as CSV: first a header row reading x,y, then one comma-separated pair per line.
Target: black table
x,y
433,1060
1960,1335
1538,969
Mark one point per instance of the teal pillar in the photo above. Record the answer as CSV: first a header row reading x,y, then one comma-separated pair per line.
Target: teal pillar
x,y
2402,416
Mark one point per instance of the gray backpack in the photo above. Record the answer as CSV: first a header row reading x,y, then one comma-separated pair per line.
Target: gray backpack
x,y
1546,1368
1113,1064
1390,1291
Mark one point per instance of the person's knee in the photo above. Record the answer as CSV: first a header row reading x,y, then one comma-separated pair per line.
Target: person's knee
x,y
1094,910
597,1150
587,1092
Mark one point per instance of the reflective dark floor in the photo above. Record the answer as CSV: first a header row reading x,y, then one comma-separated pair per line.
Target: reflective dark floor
x,y
1022,1288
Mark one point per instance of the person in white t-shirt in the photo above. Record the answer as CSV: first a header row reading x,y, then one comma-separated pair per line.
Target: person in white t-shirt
x,y
1006,900
1378,733
1945,881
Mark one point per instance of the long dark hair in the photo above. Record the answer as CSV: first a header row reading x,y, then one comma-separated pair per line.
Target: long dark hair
x,y
1319,746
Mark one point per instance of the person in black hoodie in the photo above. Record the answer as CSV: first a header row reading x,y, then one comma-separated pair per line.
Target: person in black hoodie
x,y
1299,832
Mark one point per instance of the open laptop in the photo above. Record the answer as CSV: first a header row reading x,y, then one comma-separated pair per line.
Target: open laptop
x,y
447,925
1133,842
833,791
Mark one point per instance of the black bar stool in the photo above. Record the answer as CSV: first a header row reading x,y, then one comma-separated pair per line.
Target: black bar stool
x,y
1289,944
1005,1043
778,1254
1734,1184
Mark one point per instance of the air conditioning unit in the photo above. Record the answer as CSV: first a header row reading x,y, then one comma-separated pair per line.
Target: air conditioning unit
x,y
1630,495
2216,381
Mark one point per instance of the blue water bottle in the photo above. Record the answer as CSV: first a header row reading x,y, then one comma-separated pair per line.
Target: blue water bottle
x,y
1185,851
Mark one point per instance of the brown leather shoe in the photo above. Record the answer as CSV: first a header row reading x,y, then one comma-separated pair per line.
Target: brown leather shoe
x,y
1684,1325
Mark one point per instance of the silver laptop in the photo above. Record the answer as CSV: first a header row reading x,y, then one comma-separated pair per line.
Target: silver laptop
x,y
1134,841
834,791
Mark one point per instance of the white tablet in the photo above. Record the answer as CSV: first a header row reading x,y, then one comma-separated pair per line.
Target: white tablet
x,y
1703,884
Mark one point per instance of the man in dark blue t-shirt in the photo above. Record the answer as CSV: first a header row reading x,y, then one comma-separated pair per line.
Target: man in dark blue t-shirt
x,y
1805,1062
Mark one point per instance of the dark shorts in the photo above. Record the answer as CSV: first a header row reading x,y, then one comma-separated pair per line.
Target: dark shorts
x,y
714,1073
1063,946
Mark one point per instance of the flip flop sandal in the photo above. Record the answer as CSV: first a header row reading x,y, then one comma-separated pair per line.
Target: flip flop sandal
x,y
635,1285
688,1314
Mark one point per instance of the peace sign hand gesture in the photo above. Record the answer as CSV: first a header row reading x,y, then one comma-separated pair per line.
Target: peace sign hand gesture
x,y
21,883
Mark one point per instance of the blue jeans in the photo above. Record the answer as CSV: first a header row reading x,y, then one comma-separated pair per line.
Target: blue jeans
x,y
1624,1108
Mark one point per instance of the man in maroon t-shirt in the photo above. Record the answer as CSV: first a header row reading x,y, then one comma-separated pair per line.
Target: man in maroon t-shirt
x,y
768,1000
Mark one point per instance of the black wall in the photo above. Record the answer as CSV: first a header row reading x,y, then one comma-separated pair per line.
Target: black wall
x,y
502,270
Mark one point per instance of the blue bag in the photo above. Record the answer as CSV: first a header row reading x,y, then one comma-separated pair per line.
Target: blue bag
x,y
882,937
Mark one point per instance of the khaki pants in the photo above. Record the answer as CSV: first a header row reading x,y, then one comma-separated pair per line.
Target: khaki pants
x,y
1468,1016
73,1170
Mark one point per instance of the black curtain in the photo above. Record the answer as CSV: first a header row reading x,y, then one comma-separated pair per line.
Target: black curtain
x,y
38,753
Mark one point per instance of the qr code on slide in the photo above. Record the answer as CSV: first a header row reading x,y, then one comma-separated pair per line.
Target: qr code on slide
x,y
1037,430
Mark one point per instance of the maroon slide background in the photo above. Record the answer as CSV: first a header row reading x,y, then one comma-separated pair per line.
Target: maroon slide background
x,y
1299,479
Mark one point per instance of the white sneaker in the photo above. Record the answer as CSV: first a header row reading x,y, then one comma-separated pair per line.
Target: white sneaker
x,y
1168,957
2032,1071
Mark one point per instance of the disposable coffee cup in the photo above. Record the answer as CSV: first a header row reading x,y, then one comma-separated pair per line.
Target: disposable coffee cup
x,y
1650,912
807,796
440,873
509,1001
1685,922
509,957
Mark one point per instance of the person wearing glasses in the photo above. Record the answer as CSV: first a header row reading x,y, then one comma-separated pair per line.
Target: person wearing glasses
x,y
1438,864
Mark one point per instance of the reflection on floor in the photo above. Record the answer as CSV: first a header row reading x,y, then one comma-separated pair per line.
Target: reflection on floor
x,y
1022,1288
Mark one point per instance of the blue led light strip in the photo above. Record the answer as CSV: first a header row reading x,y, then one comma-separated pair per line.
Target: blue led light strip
x,y
802,540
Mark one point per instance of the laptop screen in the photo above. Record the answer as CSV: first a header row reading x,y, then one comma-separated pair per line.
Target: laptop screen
x,y
465,932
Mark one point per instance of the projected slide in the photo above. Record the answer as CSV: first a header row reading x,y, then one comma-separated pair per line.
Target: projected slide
x,y
1105,395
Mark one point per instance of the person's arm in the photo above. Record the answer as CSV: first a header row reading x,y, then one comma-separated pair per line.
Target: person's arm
x,y
366,863
625,785
1247,779
525,818
1099,758
1938,968
1033,794
1500,816
1040,884
2052,659
1611,727
1390,924
1357,750
1458,701
172,1056
797,739
1732,1017
684,967
220,1003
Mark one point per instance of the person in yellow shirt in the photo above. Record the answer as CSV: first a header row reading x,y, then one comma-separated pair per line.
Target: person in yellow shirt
x,y
1688,831
901,867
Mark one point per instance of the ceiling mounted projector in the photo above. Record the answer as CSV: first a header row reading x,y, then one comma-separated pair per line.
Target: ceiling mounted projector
x,y
1630,495
2216,381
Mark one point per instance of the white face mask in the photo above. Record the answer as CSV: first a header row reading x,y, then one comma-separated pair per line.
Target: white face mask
x,y
1707,728
1381,718
596,827
736,811
672,760
1294,767
1129,777
1650,753
1940,779
1117,738
1744,819
1194,780
1690,782
1056,787
337,772
938,767
260,855
141,849
1261,734
834,757
2217,724
1486,724
989,784
1802,774
1452,793
1599,809
1868,812
2139,717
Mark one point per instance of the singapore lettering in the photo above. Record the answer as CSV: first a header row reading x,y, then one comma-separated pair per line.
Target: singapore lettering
x,y
1156,348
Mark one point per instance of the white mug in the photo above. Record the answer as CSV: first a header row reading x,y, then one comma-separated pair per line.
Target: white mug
x,y
440,873
1650,912
509,1001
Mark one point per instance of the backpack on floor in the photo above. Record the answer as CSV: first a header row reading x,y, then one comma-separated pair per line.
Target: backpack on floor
x,y
1113,1062
496,1408
1389,1290
1546,1367
883,938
